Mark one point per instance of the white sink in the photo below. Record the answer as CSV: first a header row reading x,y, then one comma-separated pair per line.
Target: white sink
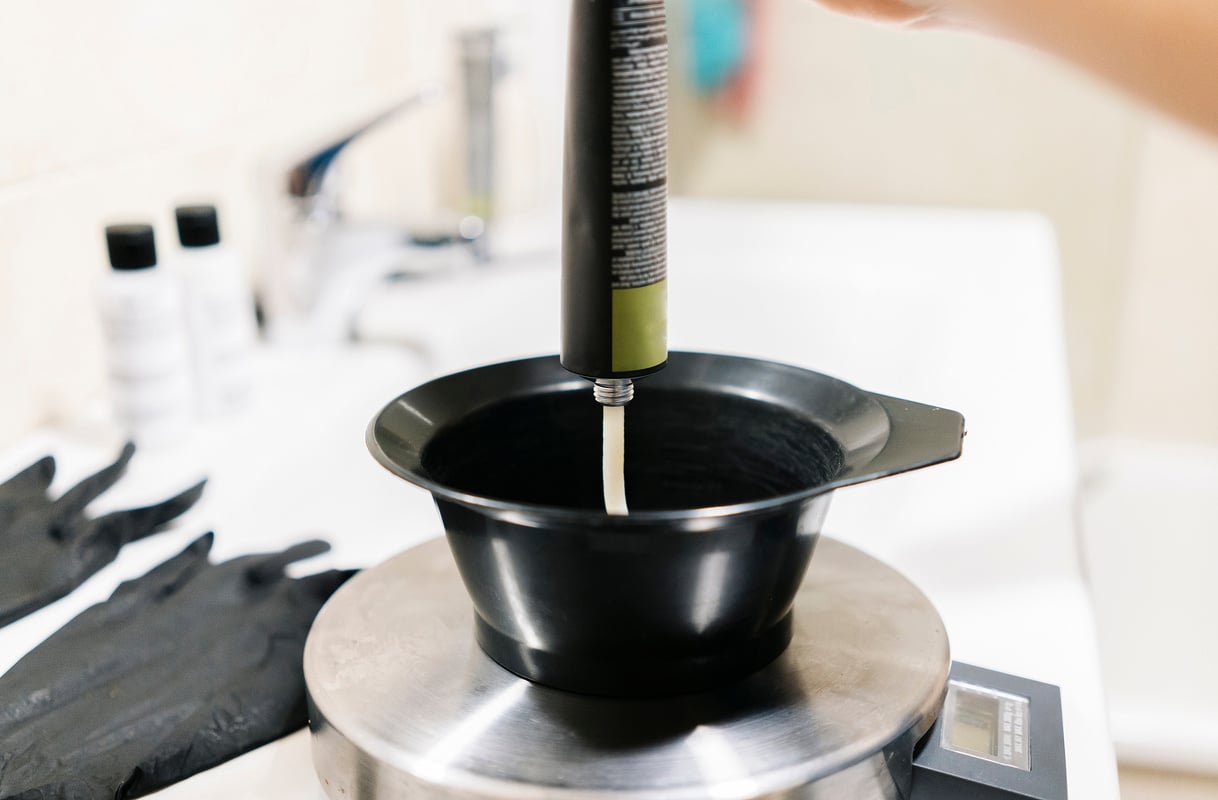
x,y
959,309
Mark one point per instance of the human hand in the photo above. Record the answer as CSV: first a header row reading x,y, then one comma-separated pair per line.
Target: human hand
x,y
900,12
1160,50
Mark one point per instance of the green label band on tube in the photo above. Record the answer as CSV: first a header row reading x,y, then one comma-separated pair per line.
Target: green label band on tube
x,y
640,327
639,47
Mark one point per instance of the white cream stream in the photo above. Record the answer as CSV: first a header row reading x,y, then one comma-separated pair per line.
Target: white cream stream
x,y
613,465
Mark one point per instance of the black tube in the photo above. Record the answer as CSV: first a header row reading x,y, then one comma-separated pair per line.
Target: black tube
x,y
615,226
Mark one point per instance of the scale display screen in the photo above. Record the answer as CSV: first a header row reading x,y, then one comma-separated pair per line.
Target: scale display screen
x,y
986,723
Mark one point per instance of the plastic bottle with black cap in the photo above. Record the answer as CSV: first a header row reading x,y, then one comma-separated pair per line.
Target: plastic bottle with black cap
x,y
219,311
147,355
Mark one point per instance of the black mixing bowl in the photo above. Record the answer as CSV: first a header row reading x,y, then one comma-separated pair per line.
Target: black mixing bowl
x,y
729,467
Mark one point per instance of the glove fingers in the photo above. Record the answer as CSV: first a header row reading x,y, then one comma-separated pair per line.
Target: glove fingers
x,y
123,527
228,708
166,577
33,480
323,584
269,567
19,605
74,500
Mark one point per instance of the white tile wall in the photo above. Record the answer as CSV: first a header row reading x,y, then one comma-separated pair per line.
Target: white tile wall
x,y
118,111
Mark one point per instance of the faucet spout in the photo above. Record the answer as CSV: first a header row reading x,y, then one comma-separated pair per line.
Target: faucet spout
x,y
307,177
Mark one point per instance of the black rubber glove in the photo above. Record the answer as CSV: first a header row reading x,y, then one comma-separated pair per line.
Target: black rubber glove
x,y
184,668
49,547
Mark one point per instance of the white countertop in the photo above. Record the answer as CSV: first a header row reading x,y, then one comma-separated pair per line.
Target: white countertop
x,y
958,309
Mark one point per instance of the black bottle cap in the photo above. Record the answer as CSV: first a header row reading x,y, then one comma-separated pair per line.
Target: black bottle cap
x,y
131,246
197,226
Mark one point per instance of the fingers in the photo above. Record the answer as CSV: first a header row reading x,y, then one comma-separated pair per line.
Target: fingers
x,y
16,603
34,477
75,500
122,527
269,567
323,584
24,491
898,12
167,577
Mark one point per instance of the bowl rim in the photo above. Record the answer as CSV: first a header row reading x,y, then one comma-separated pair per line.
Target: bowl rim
x,y
539,515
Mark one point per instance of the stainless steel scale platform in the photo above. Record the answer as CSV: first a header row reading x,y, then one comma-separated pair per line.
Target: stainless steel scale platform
x,y
404,704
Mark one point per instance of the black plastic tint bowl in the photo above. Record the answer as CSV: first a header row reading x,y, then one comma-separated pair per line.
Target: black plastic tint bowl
x,y
729,467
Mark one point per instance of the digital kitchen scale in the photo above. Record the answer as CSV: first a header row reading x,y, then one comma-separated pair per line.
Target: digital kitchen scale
x,y
864,703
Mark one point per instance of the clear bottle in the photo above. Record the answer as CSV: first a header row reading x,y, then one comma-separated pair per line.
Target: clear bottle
x,y
219,312
147,351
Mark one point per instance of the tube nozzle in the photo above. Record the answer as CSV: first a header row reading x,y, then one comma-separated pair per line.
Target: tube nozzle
x,y
613,391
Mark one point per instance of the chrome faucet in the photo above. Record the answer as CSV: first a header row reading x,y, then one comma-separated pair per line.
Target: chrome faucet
x,y
328,268
322,269
310,181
